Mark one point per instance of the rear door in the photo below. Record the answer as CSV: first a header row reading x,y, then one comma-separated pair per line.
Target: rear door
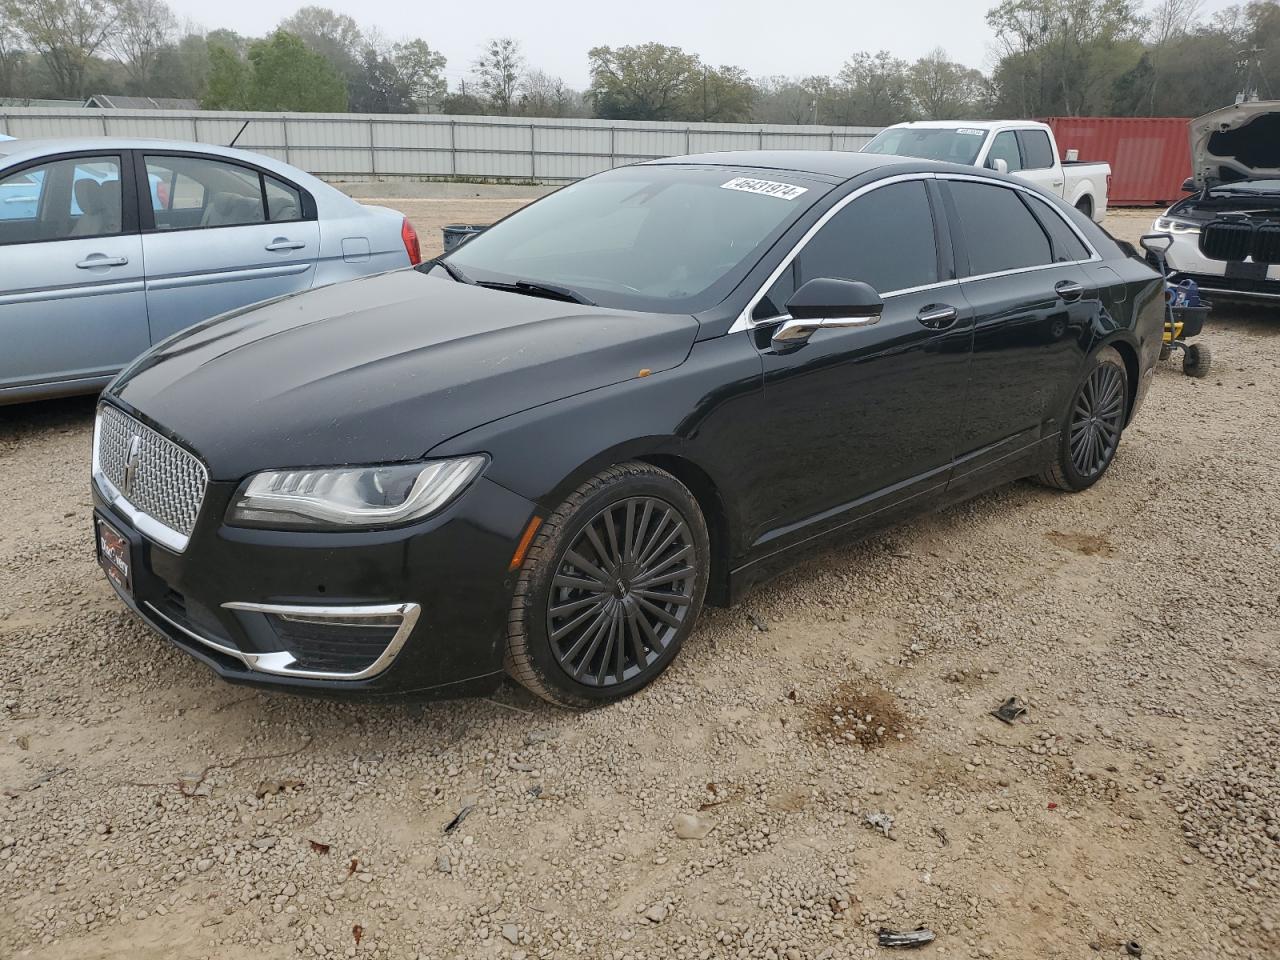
x,y
864,420
72,306
1035,309
219,235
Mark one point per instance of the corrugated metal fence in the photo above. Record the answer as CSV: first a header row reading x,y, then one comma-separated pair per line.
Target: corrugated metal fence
x,y
355,147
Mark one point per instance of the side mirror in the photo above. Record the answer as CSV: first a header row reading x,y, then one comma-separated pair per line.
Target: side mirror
x,y
998,165
1157,243
1189,185
827,302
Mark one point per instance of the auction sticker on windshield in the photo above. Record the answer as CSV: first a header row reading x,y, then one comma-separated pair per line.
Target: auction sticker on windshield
x,y
970,132
767,188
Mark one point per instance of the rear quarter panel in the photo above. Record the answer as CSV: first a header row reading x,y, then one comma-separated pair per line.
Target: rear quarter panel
x,y
360,243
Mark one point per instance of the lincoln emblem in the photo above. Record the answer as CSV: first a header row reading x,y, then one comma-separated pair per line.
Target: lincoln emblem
x,y
131,464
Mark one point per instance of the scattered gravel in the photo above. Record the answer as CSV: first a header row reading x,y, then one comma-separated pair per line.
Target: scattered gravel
x,y
148,810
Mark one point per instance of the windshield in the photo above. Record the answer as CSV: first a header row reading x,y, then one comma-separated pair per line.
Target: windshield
x,y
674,239
954,145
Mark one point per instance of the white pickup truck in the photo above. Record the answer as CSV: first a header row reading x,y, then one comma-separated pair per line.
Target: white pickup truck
x,y
1022,147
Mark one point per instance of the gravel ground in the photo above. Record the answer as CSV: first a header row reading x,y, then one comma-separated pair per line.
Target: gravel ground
x,y
148,810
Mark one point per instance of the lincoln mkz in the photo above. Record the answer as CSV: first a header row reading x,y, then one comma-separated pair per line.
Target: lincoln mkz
x,y
542,453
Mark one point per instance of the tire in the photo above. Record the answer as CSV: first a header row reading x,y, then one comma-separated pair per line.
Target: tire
x,y
1092,425
1196,360
583,629
1166,352
1085,206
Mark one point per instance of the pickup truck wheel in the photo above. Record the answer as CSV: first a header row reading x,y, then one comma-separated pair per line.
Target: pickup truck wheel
x,y
1085,206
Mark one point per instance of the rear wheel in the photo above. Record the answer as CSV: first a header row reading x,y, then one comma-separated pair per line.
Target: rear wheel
x,y
1085,206
1093,424
610,588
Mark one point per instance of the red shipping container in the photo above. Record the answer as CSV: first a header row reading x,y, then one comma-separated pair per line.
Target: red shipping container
x,y
1150,157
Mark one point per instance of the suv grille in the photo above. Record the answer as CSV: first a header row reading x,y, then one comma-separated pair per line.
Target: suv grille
x,y
163,481
1226,240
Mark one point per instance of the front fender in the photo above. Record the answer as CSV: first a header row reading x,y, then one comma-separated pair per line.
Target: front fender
x,y
702,412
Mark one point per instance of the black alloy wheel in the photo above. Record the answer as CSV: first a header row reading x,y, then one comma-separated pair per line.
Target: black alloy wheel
x,y
1093,424
611,586
1096,420
621,592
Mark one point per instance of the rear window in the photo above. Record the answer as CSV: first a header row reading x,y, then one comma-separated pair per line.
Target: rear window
x,y
1036,149
999,231
1067,246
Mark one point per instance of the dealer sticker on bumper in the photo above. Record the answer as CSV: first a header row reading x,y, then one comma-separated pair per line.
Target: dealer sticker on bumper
x,y
766,188
113,555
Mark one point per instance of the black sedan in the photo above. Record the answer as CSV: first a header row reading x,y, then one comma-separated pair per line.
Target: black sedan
x,y
651,389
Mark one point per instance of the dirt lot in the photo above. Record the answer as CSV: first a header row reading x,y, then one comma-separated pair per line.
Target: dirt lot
x,y
148,810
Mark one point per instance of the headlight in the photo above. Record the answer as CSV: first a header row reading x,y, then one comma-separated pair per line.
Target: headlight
x,y
1174,225
350,497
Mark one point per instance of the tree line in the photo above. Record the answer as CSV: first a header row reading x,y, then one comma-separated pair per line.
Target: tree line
x,y
1051,58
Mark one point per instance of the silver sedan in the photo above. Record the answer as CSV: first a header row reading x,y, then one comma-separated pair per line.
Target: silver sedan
x,y
108,246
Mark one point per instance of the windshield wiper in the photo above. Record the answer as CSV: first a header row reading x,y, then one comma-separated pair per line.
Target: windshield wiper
x,y
552,291
452,271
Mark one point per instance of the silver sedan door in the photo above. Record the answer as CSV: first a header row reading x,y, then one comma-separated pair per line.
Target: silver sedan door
x,y
72,306
219,235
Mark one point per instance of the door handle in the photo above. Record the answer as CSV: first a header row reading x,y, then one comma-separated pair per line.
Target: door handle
x,y
1068,290
937,316
280,243
98,260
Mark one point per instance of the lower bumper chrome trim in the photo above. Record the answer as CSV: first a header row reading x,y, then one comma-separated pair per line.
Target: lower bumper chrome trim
x,y
282,663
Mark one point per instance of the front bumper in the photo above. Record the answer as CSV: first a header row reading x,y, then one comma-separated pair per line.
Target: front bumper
x,y
236,598
1186,262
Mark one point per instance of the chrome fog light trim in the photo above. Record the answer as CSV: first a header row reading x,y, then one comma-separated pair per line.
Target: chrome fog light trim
x,y
282,663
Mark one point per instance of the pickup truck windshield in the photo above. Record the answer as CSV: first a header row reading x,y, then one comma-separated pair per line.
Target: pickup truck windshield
x,y
954,145
662,238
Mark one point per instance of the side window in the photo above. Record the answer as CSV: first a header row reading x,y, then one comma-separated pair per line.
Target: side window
x,y
62,200
189,192
1067,246
1036,149
1005,147
283,201
884,238
999,231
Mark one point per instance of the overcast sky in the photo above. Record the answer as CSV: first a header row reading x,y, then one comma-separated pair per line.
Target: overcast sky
x,y
796,37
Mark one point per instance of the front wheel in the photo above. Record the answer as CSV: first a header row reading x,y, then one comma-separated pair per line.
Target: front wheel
x,y
610,588
1093,424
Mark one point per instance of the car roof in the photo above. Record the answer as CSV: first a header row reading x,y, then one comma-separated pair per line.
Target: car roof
x,y
842,164
971,124
836,166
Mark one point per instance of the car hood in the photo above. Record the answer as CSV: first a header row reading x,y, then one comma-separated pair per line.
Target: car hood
x,y
1239,142
382,369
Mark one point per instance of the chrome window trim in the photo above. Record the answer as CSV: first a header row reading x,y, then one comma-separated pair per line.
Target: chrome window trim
x,y
745,322
144,523
278,662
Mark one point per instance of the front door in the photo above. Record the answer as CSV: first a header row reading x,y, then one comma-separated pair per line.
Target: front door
x,y
219,236
863,422
72,306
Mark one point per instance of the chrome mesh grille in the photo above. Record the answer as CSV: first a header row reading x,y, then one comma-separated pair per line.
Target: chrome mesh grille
x,y
168,483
